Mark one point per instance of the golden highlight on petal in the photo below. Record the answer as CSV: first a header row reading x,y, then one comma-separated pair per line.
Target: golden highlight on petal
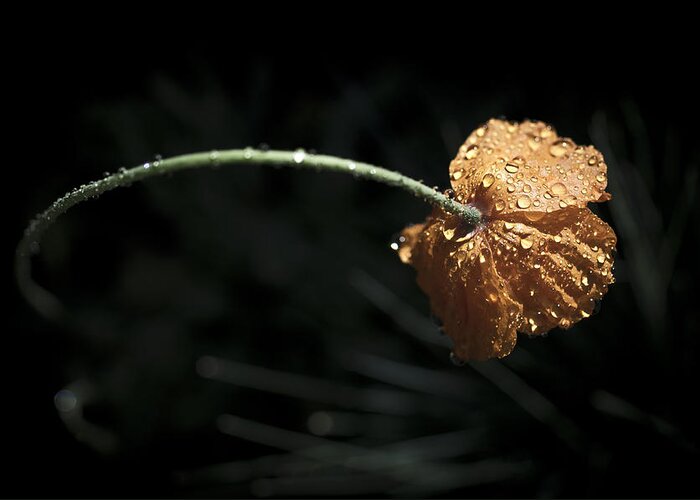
x,y
541,259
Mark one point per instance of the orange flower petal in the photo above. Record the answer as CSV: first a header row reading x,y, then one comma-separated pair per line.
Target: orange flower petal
x,y
509,276
506,167
456,269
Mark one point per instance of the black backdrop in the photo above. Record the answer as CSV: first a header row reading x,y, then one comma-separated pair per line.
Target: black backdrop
x,y
260,275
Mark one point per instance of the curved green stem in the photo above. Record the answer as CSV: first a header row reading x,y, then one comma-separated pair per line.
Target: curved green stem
x,y
46,304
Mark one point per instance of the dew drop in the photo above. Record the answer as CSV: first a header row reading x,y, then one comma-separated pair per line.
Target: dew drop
x,y
600,177
299,155
65,400
482,259
559,148
511,189
563,204
248,153
500,205
601,259
523,202
557,238
559,189
482,130
471,152
527,188
488,180
457,174
526,243
534,143
592,160
508,225
397,241
584,280
146,166
536,203
448,233
511,167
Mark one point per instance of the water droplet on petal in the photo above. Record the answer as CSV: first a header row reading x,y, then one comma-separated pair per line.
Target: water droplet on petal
x,y
563,204
482,259
523,202
600,177
559,189
534,143
500,205
471,152
508,225
511,167
448,233
526,243
488,180
457,174
559,148
601,259
592,160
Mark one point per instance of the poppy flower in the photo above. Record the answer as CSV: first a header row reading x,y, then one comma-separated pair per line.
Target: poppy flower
x,y
538,259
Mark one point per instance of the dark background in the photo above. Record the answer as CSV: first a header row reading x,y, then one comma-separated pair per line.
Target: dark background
x,y
209,292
